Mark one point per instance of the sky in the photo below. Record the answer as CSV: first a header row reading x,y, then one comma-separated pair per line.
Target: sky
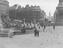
x,y
46,5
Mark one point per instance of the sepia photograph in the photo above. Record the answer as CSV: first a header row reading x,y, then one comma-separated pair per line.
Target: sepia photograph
x,y
31,24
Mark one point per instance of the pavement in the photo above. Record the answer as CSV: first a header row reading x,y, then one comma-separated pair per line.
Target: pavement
x,y
48,39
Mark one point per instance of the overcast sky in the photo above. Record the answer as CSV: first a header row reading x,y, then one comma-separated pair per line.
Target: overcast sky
x,y
46,5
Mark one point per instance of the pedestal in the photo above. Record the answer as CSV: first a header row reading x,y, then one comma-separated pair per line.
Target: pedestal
x,y
59,13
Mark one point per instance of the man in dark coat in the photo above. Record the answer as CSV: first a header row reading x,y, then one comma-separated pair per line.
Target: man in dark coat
x,y
54,26
36,31
23,29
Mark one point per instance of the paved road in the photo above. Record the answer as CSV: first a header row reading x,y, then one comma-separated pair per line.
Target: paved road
x,y
50,39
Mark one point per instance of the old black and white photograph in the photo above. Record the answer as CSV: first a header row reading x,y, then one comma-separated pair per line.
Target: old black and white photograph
x,y
31,24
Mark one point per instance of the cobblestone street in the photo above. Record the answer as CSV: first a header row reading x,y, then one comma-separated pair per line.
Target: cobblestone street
x,y
49,39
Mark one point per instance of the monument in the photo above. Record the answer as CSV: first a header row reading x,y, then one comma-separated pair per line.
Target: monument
x,y
59,13
4,5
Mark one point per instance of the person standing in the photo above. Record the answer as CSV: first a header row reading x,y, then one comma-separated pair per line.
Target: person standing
x,y
44,28
36,31
54,26
23,29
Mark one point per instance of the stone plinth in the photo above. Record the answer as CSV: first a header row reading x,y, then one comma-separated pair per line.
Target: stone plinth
x,y
59,13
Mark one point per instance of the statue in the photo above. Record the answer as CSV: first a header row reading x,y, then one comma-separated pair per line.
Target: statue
x,y
4,5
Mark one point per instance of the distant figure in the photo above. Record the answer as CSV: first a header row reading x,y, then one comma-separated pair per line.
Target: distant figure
x,y
39,27
44,28
36,31
45,24
23,30
54,26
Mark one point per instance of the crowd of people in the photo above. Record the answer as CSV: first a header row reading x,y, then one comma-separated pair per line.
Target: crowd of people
x,y
36,31
37,28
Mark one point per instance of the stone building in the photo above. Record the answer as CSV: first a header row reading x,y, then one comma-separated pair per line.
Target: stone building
x,y
59,13
30,13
